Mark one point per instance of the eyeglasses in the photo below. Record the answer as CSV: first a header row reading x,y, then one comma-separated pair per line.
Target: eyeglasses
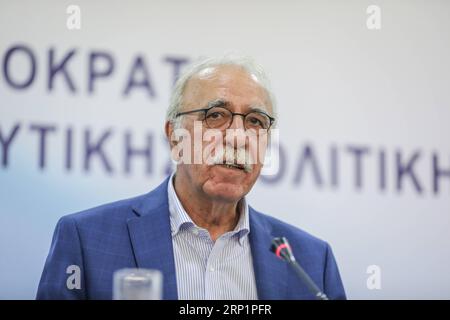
x,y
221,118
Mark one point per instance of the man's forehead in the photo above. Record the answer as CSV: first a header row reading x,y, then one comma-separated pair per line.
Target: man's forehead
x,y
206,73
225,82
227,104
222,72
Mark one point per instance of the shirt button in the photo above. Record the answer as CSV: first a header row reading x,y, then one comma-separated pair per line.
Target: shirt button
x,y
211,269
195,231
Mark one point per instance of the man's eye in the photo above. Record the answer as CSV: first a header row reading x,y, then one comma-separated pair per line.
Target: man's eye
x,y
215,115
255,121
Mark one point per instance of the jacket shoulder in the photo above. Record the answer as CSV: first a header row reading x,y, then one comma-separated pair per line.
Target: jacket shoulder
x,y
295,235
117,210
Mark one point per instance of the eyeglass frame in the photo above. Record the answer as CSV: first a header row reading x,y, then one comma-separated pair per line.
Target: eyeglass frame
x,y
205,110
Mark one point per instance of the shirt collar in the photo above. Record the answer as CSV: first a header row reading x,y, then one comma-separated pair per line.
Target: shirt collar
x,y
180,219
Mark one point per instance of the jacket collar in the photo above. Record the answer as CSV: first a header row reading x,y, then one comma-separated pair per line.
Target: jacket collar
x,y
151,238
271,273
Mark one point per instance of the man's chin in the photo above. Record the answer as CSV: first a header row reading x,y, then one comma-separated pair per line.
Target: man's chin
x,y
224,191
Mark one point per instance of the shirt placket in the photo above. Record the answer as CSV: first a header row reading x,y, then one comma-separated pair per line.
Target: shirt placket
x,y
213,281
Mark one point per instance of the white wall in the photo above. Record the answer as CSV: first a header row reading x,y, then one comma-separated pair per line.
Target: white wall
x,y
338,84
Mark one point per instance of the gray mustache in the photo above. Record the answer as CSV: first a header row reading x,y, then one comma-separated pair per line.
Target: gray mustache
x,y
230,155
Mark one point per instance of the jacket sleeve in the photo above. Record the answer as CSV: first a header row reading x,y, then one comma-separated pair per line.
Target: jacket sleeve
x,y
63,275
333,286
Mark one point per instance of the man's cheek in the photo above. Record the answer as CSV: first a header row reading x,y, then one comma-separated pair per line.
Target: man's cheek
x,y
255,155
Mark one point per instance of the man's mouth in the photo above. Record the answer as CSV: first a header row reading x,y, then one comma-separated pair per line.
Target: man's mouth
x,y
233,166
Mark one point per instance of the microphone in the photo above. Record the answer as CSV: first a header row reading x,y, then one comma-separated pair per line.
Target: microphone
x,y
282,249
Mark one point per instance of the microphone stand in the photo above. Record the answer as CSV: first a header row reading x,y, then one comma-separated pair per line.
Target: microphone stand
x,y
282,249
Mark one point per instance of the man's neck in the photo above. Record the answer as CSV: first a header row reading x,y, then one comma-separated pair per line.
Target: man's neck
x,y
218,217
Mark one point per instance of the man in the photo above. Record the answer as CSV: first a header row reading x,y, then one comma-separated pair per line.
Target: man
x,y
196,227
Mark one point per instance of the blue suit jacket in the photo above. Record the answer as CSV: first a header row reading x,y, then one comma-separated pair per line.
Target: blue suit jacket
x,y
136,233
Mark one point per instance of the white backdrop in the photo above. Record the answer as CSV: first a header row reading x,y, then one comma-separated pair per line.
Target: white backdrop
x,y
363,119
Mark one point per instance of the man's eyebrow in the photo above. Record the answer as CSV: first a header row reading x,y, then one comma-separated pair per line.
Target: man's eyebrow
x,y
218,103
262,109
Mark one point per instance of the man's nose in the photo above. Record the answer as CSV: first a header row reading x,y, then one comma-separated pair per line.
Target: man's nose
x,y
237,122
235,134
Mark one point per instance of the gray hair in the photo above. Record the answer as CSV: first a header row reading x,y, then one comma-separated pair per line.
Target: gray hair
x,y
246,63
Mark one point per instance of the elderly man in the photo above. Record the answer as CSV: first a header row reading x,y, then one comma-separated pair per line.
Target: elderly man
x,y
196,227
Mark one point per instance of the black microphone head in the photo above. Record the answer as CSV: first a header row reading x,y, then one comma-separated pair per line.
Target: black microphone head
x,y
282,249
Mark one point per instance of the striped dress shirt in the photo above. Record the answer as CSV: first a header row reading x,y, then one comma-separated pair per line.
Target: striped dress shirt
x,y
220,270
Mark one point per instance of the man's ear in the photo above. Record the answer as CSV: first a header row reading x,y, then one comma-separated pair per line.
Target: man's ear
x,y
168,128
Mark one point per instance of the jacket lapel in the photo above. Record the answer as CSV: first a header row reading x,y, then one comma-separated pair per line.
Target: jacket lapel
x,y
270,272
151,237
